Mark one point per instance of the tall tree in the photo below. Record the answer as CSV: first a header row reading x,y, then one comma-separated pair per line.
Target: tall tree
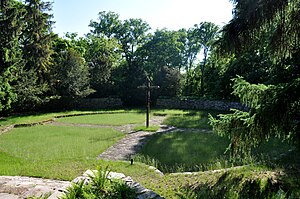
x,y
274,109
102,55
10,55
207,33
71,75
37,38
132,35
108,24
32,84
162,58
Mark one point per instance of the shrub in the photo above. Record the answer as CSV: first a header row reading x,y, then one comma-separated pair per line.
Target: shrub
x,y
100,186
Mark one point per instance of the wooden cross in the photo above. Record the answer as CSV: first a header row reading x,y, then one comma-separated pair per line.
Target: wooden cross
x,y
148,88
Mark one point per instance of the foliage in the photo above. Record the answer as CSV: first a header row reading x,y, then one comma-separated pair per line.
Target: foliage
x,y
274,109
273,113
37,37
245,183
102,56
30,92
100,186
10,57
200,39
279,17
71,75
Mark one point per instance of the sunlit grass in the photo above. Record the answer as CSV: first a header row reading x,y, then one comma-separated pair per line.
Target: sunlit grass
x,y
50,150
106,119
39,117
66,152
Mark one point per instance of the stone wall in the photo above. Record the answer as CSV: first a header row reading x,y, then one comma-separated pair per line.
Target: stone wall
x,y
82,104
96,103
176,103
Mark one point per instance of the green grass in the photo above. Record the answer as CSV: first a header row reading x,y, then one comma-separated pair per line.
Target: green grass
x,y
39,117
189,119
27,119
106,119
50,150
64,152
185,149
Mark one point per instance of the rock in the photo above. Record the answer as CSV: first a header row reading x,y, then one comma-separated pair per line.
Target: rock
x,y
8,196
156,170
114,175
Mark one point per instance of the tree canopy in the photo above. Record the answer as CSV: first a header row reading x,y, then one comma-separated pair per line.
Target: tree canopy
x,y
274,108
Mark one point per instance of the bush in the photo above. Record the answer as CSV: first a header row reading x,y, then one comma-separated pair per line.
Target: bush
x,y
100,186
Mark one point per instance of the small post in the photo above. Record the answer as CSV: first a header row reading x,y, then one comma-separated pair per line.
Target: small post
x,y
148,104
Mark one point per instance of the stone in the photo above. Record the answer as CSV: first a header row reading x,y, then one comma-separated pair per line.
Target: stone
x,y
114,175
199,104
156,170
8,196
148,194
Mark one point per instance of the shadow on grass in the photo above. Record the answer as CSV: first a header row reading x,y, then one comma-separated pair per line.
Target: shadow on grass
x,y
185,151
191,119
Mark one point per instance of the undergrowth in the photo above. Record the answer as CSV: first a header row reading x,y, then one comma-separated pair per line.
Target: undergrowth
x,y
99,186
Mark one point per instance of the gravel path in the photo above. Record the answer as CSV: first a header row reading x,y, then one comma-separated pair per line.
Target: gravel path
x,y
131,144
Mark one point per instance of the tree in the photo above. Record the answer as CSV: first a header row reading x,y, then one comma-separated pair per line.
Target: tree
x,y
108,24
274,109
32,83
10,56
199,42
102,57
164,49
71,75
207,33
131,36
37,37
162,59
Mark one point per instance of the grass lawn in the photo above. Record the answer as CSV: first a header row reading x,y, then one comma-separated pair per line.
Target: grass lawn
x,y
51,150
61,152
190,119
106,119
186,151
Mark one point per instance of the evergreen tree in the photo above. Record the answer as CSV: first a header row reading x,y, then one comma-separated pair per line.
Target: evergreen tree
x,y
10,57
37,38
274,109
32,83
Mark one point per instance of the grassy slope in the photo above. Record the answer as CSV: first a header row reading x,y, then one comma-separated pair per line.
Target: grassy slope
x,y
168,186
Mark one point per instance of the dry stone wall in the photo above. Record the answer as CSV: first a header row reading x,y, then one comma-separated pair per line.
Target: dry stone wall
x,y
199,104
